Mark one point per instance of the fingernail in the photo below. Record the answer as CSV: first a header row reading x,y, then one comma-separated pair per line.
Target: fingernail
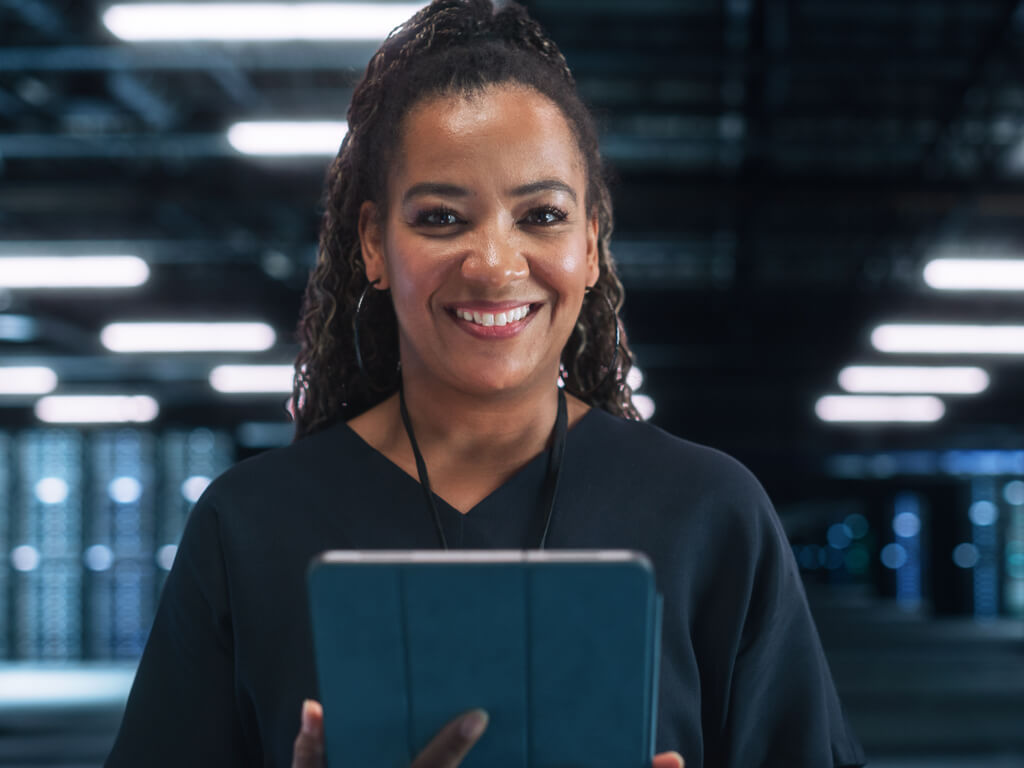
x,y
679,758
473,724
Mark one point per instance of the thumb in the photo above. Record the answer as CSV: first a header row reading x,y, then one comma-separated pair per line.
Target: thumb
x,y
668,760
450,745
308,751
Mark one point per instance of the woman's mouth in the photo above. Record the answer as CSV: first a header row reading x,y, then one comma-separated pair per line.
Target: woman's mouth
x,y
494,322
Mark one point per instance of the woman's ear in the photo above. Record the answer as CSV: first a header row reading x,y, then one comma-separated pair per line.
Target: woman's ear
x,y
371,242
593,252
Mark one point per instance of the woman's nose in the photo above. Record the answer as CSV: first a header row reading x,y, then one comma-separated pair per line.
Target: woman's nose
x,y
495,258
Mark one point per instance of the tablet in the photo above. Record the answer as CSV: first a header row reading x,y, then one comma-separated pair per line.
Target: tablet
x,y
560,647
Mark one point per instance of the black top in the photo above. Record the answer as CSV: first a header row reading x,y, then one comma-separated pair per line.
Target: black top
x,y
229,660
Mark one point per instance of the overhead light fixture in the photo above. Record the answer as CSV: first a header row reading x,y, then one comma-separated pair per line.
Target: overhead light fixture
x,y
72,271
949,339
879,408
291,139
905,378
96,409
188,337
146,22
948,274
233,379
27,380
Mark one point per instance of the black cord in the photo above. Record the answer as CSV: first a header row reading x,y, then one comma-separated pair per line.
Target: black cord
x,y
421,467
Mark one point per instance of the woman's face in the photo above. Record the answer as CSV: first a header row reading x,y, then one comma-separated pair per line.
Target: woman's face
x,y
487,245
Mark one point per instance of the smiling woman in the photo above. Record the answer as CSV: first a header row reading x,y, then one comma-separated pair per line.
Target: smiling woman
x,y
505,232
462,383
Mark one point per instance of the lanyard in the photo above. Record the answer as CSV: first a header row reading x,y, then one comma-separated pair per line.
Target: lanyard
x,y
550,481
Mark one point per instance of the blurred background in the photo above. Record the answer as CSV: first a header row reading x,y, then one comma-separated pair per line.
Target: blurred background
x,y
818,222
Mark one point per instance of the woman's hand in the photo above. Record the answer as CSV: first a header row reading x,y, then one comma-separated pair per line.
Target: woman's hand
x,y
446,750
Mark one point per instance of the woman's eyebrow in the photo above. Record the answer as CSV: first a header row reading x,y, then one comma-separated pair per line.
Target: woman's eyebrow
x,y
544,185
434,188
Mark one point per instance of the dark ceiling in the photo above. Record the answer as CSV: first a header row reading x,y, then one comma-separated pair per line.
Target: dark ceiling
x,y
782,169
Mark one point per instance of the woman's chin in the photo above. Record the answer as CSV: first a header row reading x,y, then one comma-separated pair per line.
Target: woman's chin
x,y
498,384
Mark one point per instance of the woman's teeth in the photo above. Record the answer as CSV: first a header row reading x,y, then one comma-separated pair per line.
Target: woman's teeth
x,y
498,318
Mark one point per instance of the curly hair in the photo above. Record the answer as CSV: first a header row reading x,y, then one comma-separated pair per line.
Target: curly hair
x,y
450,47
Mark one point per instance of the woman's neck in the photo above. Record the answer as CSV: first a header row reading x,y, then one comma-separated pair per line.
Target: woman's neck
x,y
494,429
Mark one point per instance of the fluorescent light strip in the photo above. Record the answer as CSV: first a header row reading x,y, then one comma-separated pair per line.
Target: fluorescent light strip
x,y
188,337
879,408
143,22
72,271
96,409
232,379
975,274
905,378
949,339
27,380
314,138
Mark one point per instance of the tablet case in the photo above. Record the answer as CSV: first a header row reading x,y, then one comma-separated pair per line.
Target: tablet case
x,y
561,649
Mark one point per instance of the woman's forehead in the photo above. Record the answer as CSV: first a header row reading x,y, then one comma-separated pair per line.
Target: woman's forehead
x,y
509,129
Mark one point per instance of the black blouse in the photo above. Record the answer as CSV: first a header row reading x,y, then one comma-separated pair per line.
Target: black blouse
x,y
229,660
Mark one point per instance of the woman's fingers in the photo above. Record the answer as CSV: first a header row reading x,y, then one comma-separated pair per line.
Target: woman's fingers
x,y
308,751
668,760
446,750
452,742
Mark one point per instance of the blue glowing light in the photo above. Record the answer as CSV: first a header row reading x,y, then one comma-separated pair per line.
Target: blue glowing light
x,y
893,556
125,490
839,536
906,525
983,513
858,525
966,555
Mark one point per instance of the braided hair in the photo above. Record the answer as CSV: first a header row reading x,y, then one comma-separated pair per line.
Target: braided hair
x,y
450,47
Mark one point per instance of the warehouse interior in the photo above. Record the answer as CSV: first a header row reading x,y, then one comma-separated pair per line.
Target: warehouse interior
x,y
783,172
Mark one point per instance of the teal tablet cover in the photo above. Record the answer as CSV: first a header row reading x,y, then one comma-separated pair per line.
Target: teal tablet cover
x,y
562,653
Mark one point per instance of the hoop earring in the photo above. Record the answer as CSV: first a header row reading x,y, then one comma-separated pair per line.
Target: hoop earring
x,y
618,340
355,338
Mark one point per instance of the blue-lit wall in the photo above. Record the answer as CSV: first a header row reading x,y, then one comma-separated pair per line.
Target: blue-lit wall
x,y
89,525
943,533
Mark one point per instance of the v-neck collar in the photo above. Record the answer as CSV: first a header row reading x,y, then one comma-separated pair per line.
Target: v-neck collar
x,y
526,477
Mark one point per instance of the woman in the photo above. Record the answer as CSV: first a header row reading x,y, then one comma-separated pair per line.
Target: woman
x,y
464,270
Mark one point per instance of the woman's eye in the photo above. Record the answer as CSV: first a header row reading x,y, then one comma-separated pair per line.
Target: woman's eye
x,y
546,215
437,217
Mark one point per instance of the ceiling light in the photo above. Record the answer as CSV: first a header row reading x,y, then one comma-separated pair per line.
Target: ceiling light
x,y
905,378
879,408
140,22
287,138
72,271
975,274
27,380
96,409
950,339
188,337
252,378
